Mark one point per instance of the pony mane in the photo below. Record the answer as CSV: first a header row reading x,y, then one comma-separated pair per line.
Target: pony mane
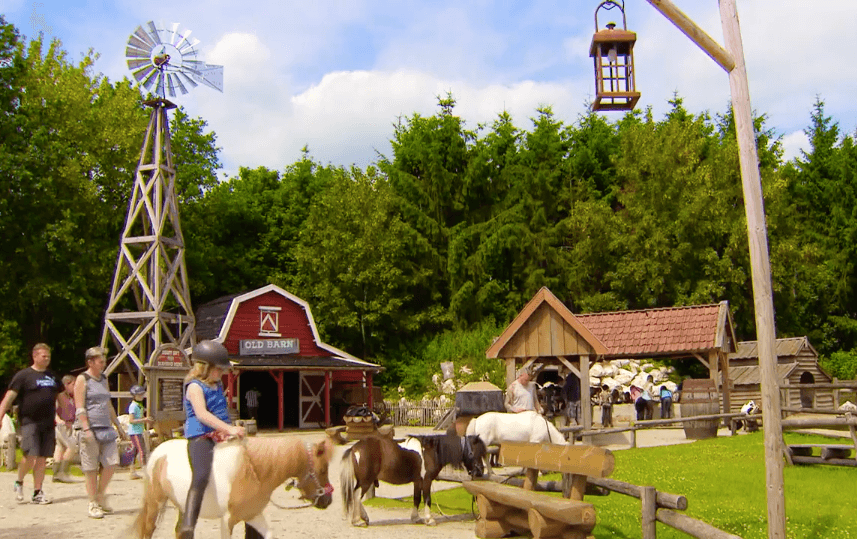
x,y
447,447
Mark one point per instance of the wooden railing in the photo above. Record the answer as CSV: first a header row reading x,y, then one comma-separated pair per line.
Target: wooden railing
x,y
416,413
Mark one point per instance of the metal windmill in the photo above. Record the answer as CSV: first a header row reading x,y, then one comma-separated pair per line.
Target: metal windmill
x,y
149,307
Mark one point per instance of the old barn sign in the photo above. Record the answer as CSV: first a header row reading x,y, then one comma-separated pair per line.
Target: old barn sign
x,y
268,347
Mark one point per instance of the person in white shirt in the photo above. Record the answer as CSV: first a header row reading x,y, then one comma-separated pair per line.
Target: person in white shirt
x,y
521,394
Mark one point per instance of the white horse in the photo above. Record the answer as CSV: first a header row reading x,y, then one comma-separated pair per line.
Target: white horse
x,y
494,428
243,477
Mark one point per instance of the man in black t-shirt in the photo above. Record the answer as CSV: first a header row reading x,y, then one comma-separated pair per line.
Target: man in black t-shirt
x,y
36,388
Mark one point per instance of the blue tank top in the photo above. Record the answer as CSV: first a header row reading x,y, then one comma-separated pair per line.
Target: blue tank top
x,y
215,402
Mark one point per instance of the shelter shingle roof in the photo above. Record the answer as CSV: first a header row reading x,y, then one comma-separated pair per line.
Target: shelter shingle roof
x,y
784,348
656,331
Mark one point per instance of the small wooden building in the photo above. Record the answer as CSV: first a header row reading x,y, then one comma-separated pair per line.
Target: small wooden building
x,y
275,348
797,363
545,331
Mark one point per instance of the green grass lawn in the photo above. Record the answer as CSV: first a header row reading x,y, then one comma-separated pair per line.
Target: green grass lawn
x,y
724,482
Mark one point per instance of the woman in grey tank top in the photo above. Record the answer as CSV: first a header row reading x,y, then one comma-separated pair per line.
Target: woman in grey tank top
x,y
96,436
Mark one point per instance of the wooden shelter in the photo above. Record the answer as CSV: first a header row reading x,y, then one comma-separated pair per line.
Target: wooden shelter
x,y
275,347
547,332
797,363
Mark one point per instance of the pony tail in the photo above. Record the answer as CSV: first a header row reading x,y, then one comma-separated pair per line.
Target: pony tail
x,y
347,483
153,498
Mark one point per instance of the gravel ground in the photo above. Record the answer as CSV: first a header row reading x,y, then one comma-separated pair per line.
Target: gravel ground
x,y
66,517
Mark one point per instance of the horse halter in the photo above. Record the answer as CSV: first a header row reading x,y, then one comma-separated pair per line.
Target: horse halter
x,y
310,473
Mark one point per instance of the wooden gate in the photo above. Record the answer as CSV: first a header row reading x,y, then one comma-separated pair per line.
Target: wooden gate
x,y
311,399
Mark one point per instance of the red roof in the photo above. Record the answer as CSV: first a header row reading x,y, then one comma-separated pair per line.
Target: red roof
x,y
660,331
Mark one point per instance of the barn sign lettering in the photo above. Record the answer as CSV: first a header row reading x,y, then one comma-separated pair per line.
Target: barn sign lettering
x,y
268,347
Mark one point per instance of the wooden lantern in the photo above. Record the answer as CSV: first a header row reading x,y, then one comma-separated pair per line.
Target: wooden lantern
x,y
613,52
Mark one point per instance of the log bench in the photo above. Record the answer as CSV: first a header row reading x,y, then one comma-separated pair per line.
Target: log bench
x,y
840,454
504,508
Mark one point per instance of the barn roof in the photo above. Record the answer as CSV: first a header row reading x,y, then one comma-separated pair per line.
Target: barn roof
x,y
784,348
664,331
213,321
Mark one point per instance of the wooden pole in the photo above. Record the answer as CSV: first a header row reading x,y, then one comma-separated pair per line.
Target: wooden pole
x,y
649,511
696,34
757,237
761,270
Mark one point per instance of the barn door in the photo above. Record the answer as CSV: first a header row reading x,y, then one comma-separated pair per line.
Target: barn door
x,y
312,403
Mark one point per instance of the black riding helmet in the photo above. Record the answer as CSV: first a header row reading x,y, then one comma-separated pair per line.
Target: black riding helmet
x,y
211,352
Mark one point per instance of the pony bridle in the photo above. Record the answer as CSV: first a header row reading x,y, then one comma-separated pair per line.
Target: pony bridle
x,y
310,474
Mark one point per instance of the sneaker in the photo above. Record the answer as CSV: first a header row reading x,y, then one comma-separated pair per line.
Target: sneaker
x,y
19,491
135,475
95,510
40,498
102,504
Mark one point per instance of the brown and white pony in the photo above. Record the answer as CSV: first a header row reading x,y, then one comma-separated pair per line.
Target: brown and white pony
x,y
372,459
244,475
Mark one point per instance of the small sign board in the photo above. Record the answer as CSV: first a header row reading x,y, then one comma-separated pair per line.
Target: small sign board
x,y
171,357
268,347
166,370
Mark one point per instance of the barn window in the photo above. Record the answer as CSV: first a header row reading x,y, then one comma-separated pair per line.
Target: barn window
x,y
269,321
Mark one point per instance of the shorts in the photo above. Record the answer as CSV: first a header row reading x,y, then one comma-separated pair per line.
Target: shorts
x,y
93,453
38,440
65,436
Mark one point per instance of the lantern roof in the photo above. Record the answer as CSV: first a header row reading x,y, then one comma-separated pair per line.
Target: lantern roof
x,y
612,35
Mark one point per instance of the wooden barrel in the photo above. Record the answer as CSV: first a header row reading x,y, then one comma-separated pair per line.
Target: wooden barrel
x,y
699,397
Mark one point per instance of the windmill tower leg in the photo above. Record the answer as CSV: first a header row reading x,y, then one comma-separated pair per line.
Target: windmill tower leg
x,y
150,299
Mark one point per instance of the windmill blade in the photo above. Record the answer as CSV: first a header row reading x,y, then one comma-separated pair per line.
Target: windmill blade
x,y
134,52
144,73
175,82
168,82
143,37
183,41
189,81
151,79
159,88
153,32
173,36
188,48
138,63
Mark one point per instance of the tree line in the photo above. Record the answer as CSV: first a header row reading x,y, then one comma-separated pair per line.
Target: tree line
x,y
449,235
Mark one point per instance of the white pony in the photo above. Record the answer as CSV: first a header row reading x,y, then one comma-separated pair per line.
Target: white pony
x,y
494,428
243,477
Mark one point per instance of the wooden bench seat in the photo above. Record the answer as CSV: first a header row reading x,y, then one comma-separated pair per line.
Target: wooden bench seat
x,y
504,508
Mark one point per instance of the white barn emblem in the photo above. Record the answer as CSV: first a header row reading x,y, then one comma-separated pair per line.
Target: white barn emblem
x,y
269,321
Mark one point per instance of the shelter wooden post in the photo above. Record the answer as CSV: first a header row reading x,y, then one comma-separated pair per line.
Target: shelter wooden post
x,y
585,400
727,390
511,369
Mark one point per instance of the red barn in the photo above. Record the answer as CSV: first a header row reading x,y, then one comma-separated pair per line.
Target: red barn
x,y
274,344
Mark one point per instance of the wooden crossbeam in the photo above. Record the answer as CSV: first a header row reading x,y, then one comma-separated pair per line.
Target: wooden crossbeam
x,y
573,459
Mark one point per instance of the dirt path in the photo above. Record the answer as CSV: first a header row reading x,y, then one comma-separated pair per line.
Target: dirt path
x,y
66,518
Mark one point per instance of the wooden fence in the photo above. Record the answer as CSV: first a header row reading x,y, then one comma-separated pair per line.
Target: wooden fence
x,y
427,413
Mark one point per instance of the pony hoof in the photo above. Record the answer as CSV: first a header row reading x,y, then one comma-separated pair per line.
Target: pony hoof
x,y
361,524
431,522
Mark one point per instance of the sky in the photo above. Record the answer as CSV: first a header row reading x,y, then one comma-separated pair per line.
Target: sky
x,y
336,76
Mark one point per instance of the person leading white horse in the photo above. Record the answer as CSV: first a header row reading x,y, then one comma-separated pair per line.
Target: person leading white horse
x,y
521,393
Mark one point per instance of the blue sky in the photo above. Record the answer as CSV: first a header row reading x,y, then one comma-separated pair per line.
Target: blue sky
x,y
336,75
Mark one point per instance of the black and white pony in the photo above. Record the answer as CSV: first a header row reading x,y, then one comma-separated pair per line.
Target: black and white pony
x,y
552,400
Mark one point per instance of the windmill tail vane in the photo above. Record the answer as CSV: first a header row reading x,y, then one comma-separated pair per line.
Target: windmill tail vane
x,y
166,59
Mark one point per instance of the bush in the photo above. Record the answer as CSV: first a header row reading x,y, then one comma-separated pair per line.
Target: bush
x,y
841,365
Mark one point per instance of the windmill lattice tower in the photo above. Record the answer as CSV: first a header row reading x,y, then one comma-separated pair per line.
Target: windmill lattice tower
x,y
150,273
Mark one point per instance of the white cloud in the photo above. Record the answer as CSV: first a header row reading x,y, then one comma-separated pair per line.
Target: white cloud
x,y
793,143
